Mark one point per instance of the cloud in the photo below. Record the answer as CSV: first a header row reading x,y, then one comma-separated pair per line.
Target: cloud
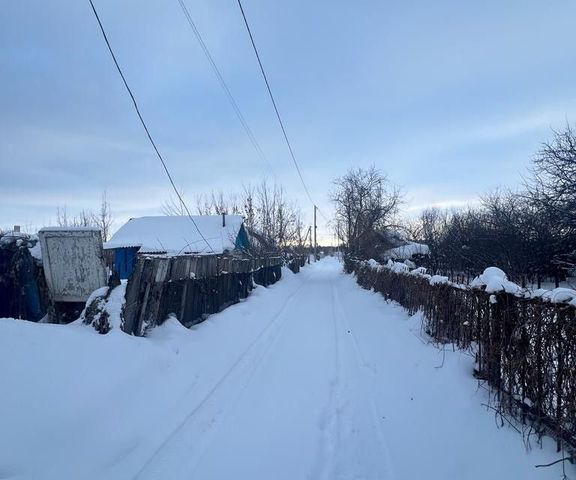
x,y
448,99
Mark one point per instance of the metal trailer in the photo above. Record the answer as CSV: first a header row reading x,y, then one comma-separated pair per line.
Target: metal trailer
x,y
74,267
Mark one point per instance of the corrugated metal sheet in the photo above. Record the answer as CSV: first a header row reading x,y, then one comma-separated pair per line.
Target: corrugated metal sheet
x,y
73,262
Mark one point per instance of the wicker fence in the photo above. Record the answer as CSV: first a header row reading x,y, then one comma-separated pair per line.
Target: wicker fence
x,y
525,347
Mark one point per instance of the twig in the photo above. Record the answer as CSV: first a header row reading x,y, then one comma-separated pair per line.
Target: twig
x,y
443,358
554,463
502,417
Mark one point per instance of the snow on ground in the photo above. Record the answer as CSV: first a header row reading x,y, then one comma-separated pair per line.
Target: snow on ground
x,y
312,378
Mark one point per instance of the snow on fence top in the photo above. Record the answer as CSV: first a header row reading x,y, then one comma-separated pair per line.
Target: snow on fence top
x,y
495,280
492,280
178,235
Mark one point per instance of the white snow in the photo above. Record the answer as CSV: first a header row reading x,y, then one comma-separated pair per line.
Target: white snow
x,y
557,295
69,229
178,234
373,263
400,268
407,251
312,378
418,271
36,251
112,305
439,280
495,280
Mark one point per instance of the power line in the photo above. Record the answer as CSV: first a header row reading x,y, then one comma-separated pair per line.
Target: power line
x,y
276,108
223,85
145,126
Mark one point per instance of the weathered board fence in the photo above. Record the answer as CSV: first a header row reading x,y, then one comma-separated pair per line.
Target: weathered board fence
x,y
525,347
296,262
191,287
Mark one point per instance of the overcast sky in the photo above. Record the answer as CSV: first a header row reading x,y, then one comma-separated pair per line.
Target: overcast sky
x,y
450,98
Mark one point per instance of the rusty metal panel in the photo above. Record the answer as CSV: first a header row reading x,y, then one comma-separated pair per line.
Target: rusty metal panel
x,y
73,262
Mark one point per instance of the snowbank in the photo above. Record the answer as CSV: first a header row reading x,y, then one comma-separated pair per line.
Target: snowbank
x,y
313,378
77,404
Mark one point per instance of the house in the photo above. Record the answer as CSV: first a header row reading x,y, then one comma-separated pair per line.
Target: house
x,y
175,235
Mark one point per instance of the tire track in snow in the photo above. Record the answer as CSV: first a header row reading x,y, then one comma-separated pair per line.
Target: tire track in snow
x,y
246,365
329,421
210,434
360,424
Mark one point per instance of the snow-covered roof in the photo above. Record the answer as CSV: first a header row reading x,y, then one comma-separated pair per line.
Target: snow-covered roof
x,y
178,234
407,251
70,229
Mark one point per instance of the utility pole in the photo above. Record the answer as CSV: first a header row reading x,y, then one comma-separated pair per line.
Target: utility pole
x,y
310,232
315,242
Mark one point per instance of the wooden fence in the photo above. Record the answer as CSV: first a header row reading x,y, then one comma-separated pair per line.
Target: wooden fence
x,y
191,287
296,262
525,347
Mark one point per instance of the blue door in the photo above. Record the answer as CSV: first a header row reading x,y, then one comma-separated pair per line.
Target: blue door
x,y
124,260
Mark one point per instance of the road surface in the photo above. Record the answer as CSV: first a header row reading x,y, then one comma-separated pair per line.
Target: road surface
x,y
312,378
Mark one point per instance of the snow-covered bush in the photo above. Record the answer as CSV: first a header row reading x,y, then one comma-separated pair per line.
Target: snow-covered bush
x,y
103,309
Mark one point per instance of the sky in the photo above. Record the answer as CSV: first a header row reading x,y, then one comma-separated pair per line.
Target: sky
x,y
450,99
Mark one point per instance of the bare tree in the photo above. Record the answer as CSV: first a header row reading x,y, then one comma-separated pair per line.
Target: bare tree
x,y
103,219
267,212
83,219
366,202
248,208
62,216
174,206
552,190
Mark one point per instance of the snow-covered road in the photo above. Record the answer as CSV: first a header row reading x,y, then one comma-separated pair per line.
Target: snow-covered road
x,y
313,378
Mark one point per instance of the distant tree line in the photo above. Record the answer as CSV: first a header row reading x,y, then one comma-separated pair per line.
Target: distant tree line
x,y
530,234
274,222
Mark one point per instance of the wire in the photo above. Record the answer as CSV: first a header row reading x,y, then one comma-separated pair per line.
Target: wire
x,y
224,86
276,109
145,126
